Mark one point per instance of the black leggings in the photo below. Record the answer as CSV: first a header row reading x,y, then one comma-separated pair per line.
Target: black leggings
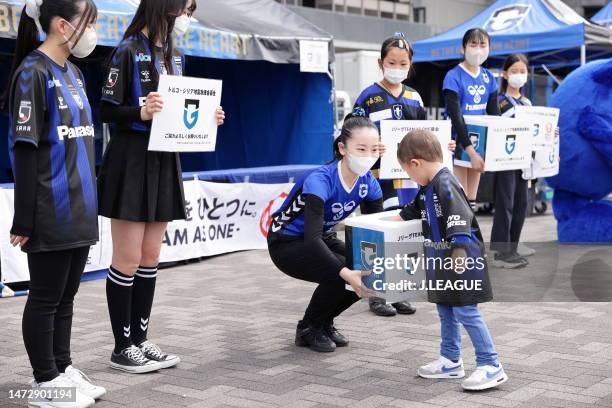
x,y
47,317
510,210
330,298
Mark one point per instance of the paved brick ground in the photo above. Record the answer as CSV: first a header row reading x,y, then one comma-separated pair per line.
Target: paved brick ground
x,y
232,320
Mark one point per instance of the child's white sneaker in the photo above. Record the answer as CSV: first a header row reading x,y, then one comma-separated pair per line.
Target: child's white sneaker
x,y
442,368
83,383
485,377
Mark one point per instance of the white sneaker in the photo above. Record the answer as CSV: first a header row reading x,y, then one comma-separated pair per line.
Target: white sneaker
x,y
83,383
485,377
442,368
523,250
80,400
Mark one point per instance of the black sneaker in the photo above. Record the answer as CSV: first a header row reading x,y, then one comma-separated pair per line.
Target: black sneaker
x,y
380,308
508,261
404,308
314,338
335,335
152,352
131,360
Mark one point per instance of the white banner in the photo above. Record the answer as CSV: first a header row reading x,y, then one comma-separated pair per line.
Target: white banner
x,y
221,218
393,131
188,121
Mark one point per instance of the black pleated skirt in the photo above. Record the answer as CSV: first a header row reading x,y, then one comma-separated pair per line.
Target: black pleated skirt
x,y
135,184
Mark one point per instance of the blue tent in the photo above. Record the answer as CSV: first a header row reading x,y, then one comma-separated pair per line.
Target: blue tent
x,y
548,30
604,16
276,115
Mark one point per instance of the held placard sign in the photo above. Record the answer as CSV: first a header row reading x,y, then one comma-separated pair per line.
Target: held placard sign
x,y
506,142
188,121
544,121
393,131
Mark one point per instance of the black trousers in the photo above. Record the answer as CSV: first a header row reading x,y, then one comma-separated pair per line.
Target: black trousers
x,y
330,298
510,210
47,317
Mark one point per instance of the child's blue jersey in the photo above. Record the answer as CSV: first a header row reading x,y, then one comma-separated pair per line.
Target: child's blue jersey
x,y
326,183
473,91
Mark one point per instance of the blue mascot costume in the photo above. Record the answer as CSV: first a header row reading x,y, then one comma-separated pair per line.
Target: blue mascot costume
x,y
581,204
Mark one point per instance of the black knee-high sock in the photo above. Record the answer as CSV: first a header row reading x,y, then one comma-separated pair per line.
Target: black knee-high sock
x,y
119,298
142,301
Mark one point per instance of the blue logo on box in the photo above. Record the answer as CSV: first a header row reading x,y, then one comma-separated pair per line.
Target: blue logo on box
x,y
510,143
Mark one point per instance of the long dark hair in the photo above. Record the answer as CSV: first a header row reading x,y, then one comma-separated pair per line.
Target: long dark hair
x,y
510,61
28,35
352,122
158,16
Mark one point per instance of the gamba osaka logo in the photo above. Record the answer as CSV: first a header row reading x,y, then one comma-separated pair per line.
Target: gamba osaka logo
x,y
477,92
506,18
113,76
551,157
25,112
510,143
368,255
363,190
191,112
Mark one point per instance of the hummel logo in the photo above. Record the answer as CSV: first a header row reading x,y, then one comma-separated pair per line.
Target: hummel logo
x,y
144,324
126,331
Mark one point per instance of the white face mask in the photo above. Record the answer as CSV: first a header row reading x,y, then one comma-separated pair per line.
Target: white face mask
x,y
395,76
181,25
85,45
476,57
517,80
360,165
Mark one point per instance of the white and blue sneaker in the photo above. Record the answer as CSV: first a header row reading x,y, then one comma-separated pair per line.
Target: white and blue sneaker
x,y
485,377
442,368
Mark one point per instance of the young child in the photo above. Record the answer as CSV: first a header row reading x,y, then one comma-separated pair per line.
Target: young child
x,y
451,232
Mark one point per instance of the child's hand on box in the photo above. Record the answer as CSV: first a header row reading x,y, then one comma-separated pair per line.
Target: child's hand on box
x,y
452,145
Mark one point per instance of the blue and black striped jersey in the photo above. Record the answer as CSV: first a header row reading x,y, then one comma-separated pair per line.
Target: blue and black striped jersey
x,y
507,104
130,79
378,104
49,109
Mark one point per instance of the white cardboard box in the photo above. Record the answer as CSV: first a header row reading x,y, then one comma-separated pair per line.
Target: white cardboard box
x,y
504,143
381,236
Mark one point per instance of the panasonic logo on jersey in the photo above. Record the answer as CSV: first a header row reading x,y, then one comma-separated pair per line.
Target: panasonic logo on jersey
x,y
74,132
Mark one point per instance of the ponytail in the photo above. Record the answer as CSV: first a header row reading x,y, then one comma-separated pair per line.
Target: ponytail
x,y
27,41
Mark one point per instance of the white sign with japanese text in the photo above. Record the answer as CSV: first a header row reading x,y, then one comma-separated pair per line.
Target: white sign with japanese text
x,y
393,131
187,122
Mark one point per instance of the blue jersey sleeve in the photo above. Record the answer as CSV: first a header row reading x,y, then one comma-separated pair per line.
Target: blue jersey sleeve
x,y
374,190
317,184
451,81
492,82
